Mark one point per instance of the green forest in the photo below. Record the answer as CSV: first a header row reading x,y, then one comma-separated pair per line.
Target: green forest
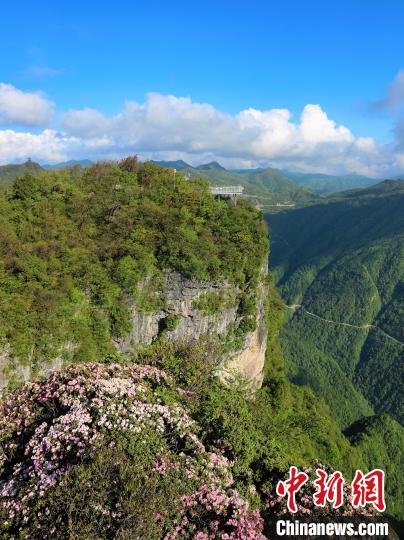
x,y
342,261
74,244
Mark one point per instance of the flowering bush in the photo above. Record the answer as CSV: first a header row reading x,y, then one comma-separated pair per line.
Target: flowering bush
x,y
106,450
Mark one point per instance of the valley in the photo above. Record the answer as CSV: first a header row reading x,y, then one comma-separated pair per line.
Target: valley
x,y
339,264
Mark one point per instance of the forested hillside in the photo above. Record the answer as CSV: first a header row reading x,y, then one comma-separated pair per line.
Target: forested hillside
x,y
340,265
325,184
78,448
9,172
76,243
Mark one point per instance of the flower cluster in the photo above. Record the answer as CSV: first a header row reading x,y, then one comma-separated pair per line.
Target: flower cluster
x,y
224,515
49,427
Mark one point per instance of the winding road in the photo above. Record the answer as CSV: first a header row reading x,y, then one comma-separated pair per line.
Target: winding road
x,y
295,307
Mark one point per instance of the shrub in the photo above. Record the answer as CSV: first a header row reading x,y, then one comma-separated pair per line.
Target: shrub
x,y
170,322
211,303
94,450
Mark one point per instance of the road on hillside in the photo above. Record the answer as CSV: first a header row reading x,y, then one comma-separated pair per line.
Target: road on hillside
x,y
295,307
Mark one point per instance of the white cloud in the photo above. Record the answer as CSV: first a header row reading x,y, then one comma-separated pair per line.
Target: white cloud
x,y
50,146
394,98
46,146
170,127
23,108
85,123
168,124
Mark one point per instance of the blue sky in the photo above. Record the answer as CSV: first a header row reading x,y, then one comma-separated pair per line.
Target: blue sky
x,y
341,56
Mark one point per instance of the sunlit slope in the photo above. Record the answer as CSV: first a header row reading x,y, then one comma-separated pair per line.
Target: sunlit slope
x,y
341,264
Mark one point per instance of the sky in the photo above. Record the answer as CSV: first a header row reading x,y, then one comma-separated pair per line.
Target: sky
x,y
305,86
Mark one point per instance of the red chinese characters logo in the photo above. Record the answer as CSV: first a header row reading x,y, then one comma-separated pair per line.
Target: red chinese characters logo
x,y
291,486
329,488
369,489
365,489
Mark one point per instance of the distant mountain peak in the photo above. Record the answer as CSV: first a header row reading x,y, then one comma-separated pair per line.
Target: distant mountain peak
x,y
9,172
179,164
67,164
209,166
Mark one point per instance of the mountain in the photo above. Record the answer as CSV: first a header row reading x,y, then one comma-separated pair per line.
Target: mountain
x,y
179,164
212,166
267,188
280,188
70,163
325,184
103,273
9,172
339,265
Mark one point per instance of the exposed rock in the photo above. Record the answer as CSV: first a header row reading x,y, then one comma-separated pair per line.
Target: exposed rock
x,y
192,323
181,294
250,359
4,364
10,370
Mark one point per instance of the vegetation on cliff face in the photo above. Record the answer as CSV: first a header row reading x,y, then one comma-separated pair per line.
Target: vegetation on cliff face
x,y
75,245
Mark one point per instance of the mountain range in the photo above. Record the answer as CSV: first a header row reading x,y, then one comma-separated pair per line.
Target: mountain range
x,y
325,184
270,186
265,187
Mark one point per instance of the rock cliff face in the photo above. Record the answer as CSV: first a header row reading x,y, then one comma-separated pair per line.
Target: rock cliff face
x,y
12,370
192,323
181,296
250,359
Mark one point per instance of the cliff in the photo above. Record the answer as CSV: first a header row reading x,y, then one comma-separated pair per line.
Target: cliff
x,y
191,321
105,261
184,319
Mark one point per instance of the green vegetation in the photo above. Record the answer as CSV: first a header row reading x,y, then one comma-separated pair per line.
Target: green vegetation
x,y
341,261
325,184
211,303
171,322
77,245
8,173
379,439
120,484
